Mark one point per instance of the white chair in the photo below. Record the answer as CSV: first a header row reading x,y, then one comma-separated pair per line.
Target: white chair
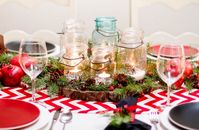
x,y
14,35
188,38
166,21
46,35
50,37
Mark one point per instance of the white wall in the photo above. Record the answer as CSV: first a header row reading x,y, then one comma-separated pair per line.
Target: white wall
x,y
90,9
42,16
172,16
51,16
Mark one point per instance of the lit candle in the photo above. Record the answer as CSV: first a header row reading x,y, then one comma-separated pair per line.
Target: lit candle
x,y
74,71
138,74
103,78
104,75
73,74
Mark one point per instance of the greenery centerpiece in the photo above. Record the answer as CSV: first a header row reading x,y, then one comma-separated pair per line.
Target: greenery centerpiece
x,y
86,87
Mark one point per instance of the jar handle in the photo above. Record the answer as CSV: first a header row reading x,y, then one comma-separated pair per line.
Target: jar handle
x,y
82,59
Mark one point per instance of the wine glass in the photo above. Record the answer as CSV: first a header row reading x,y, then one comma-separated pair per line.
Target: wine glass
x,y
33,58
170,65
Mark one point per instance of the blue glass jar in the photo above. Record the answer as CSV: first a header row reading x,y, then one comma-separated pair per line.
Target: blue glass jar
x,y
105,31
104,39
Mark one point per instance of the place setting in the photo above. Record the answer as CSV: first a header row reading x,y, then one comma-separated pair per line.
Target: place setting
x,y
183,116
17,114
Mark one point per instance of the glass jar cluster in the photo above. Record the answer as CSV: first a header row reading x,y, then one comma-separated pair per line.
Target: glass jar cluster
x,y
110,51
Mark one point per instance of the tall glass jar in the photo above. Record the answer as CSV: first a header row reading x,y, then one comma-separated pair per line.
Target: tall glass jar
x,y
75,44
131,56
104,39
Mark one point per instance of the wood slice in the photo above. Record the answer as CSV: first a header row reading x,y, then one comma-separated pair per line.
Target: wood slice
x,y
102,96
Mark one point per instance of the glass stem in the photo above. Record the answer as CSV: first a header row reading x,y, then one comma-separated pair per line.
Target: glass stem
x,y
168,94
33,90
168,89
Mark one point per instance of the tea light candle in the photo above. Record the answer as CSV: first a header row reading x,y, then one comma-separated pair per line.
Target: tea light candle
x,y
104,75
73,74
103,78
138,74
74,71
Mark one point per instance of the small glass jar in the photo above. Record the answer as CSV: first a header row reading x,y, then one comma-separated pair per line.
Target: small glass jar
x,y
131,56
104,39
75,44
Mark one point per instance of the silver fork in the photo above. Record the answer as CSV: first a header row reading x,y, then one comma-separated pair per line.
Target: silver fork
x,y
154,119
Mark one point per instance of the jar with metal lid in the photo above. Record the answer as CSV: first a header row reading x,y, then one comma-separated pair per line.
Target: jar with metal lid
x,y
105,31
131,56
104,38
75,44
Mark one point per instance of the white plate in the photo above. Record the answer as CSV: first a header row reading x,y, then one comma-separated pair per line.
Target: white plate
x,y
164,120
44,119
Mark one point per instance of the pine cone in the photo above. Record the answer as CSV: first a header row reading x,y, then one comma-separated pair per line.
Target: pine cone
x,y
90,82
121,79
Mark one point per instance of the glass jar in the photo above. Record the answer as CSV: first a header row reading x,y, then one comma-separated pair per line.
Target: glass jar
x,y
75,44
105,31
104,39
131,56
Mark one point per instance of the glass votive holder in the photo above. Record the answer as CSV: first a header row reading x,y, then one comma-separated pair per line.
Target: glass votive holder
x,y
102,63
131,56
74,59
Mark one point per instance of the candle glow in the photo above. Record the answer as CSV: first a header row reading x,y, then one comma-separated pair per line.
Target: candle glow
x,y
74,71
104,75
138,74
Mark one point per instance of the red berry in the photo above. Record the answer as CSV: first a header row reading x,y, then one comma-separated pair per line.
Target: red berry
x,y
111,88
188,69
118,110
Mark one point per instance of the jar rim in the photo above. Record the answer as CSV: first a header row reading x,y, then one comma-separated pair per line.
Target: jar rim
x,y
100,19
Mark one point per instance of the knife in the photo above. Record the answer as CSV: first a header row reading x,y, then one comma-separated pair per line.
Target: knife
x,y
55,117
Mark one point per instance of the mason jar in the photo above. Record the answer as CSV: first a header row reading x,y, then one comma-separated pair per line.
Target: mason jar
x,y
75,44
104,38
131,56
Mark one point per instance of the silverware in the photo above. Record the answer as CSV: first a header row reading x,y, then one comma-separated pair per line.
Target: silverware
x,y
66,117
154,119
55,117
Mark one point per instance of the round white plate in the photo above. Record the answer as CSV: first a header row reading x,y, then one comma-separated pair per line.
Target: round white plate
x,y
44,119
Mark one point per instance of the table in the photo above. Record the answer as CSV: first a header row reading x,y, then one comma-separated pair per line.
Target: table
x,y
86,114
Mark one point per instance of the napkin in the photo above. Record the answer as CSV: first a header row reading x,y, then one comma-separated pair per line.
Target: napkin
x,y
137,124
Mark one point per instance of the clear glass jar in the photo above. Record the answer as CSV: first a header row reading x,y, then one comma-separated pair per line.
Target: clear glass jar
x,y
131,56
75,44
104,39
